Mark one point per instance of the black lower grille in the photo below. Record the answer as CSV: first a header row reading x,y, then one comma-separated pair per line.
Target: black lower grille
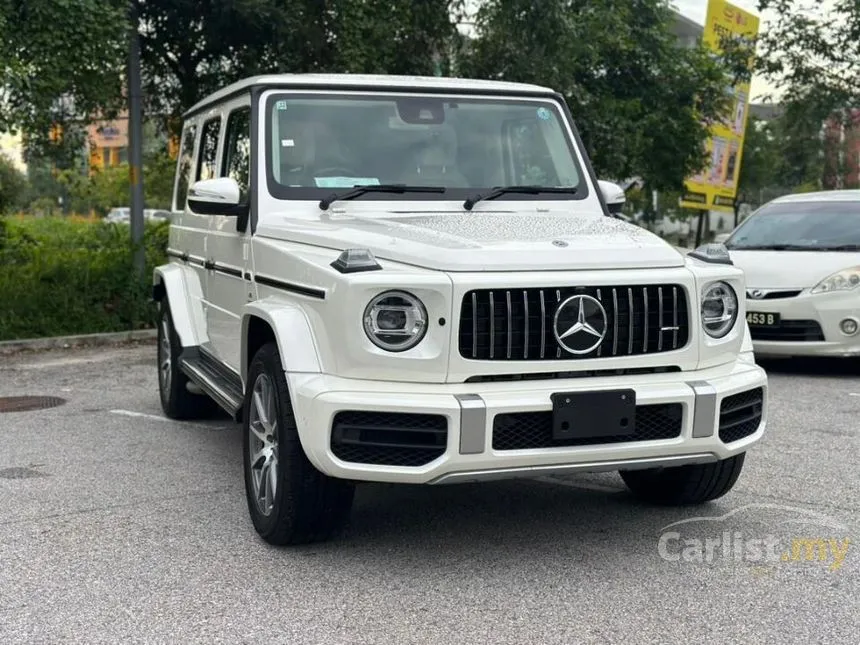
x,y
388,438
520,324
789,330
740,414
524,430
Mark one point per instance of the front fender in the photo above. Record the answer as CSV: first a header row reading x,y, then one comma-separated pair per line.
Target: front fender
x,y
294,335
180,285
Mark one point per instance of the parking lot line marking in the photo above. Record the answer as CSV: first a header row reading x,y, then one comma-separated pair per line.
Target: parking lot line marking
x,y
129,413
155,417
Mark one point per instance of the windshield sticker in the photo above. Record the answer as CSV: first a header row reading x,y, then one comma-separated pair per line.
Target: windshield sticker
x,y
281,105
345,182
543,114
287,143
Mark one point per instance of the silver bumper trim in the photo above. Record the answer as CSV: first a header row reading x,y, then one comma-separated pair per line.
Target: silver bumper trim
x,y
473,424
704,409
562,469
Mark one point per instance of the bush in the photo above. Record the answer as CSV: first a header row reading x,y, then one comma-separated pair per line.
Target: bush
x,y
62,276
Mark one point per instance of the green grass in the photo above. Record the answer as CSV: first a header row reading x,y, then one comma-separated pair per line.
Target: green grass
x,y
62,276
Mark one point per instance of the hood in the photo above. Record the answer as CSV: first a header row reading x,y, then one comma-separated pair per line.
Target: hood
x,y
486,241
791,269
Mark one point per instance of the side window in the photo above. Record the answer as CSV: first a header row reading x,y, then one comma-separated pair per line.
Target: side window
x,y
183,167
530,157
237,149
206,164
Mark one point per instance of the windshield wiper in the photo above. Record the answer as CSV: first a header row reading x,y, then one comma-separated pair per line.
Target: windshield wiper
x,y
773,247
527,190
377,188
839,247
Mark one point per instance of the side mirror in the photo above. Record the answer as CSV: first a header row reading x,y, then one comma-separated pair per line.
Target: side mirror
x,y
219,196
613,195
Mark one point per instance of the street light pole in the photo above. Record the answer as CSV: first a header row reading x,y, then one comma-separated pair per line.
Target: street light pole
x,y
135,141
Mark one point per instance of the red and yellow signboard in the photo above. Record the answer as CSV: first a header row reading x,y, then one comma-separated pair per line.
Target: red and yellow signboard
x,y
715,187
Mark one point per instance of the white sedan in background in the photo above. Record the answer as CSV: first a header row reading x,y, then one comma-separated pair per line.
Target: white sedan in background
x,y
801,256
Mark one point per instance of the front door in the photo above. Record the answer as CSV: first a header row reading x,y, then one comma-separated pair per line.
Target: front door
x,y
229,248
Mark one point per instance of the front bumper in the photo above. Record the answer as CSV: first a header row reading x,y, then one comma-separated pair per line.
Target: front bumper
x,y
470,409
809,325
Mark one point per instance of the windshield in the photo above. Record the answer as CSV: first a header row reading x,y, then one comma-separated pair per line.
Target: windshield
x,y
320,142
833,225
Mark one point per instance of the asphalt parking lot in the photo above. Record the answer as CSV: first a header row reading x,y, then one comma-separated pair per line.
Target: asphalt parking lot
x,y
119,526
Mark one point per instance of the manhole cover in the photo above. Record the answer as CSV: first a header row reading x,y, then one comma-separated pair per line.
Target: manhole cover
x,y
27,403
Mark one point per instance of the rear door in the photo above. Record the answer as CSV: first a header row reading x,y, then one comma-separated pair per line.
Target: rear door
x,y
189,230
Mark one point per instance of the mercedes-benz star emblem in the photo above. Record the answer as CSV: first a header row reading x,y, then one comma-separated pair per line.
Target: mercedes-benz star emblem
x,y
580,324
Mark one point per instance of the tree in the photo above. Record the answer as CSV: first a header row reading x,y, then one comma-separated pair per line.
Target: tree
x,y
62,60
191,48
641,101
13,186
813,53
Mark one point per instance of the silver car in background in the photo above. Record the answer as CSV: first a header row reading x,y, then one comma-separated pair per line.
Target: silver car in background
x,y
801,257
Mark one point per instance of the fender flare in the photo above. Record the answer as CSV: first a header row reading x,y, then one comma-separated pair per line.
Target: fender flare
x,y
180,285
293,333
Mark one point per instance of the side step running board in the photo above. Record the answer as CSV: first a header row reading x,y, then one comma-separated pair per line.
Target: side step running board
x,y
222,385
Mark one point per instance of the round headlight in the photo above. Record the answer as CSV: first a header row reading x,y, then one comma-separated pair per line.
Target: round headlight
x,y
719,309
395,321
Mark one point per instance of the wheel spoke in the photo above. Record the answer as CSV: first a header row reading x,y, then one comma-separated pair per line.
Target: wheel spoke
x,y
263,493
273,480
260,407
256,457
260,434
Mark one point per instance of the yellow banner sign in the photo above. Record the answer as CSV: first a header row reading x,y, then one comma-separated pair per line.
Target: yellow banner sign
x,y
715,187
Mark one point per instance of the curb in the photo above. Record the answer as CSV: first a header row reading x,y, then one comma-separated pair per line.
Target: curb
x,y
83,340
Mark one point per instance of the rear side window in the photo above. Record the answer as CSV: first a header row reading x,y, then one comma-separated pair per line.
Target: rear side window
x,y
183,167
237,150
206,166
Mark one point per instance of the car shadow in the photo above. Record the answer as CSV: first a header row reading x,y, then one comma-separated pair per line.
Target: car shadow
x,y
812,366
515,524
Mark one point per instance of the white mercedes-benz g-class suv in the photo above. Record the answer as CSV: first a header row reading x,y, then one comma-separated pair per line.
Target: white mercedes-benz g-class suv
x,y
420,280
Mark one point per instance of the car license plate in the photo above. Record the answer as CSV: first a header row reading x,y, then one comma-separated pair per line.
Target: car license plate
x,y
759,319
583,415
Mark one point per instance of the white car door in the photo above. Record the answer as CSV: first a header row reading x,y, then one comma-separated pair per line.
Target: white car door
x,y
228,247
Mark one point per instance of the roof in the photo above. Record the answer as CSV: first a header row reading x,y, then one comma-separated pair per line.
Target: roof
x,y
821,196
384,81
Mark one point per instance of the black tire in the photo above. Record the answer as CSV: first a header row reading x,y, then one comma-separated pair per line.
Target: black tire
x,y
685,485
307,505
176,401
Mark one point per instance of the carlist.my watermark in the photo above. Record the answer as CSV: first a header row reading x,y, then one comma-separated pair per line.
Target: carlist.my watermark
x,y
801,536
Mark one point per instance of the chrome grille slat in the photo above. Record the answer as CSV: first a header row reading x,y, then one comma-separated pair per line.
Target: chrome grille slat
x,y
485,333
526,334
674,317
600,347
542,325
557,303
474,325
492,326
614,322
510,323
630,320
645,300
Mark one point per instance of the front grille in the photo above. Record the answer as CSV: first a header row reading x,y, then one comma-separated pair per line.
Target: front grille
x,y
518,324
388,438
524,430
774,295
740,415
789,330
